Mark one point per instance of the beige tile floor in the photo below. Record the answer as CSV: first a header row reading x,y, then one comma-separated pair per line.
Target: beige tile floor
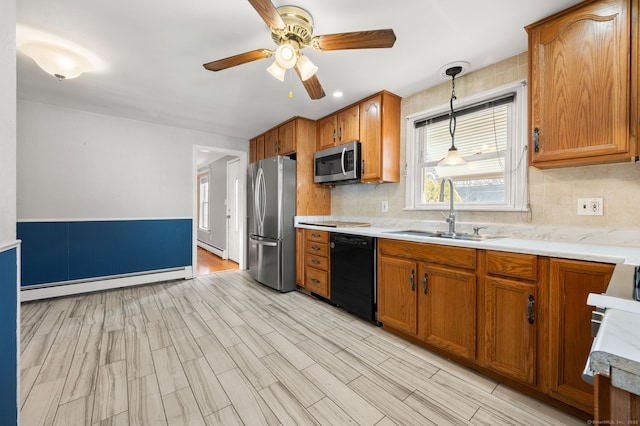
x,y
221,349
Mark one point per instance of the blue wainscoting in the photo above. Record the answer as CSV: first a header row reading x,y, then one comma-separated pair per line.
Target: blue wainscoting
x,y
8,336
76,250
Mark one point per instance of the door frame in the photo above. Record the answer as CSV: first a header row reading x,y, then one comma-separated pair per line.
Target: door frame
x,y
243,157
239,195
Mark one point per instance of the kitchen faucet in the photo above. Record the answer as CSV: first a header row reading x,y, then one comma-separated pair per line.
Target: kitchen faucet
x,y
451,219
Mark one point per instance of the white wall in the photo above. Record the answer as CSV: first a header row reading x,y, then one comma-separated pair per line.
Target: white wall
x,y
216,236
79,165
7,123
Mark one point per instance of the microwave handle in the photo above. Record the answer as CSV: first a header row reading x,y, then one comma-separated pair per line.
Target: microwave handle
x,y
344,150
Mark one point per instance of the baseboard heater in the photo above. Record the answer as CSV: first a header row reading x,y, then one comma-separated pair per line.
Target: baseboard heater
x,y
67,288
222,253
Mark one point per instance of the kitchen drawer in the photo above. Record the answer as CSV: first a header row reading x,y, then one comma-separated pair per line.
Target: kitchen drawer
x,y
318,236
514,265
317,281
318,249
318,262
447,255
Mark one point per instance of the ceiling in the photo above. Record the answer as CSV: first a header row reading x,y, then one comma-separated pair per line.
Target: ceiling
x,y
154,51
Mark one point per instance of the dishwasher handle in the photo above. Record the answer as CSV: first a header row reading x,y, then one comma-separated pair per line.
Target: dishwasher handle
x,y
350,240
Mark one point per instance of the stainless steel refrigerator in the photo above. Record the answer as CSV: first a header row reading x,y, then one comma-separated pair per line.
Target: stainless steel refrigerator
x,y
272,207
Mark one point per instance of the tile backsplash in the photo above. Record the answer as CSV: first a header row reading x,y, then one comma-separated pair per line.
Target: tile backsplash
x,y
553,193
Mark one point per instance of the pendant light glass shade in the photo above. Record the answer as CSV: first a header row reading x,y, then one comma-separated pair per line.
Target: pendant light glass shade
x,y
306,67
452,158
277,71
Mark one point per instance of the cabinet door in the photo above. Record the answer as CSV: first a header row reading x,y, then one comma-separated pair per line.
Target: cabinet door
x,y
287,138
397,291
256,149
327,132
571,281
271,143
371,137
580,87
511,323
447,309
349,125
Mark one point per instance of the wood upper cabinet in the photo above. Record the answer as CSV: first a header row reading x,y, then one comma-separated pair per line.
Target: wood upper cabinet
x,y
380,138
447,308
287,138
327,132
280,140
511,305
569,327
256,149
429,291
583,85
339,128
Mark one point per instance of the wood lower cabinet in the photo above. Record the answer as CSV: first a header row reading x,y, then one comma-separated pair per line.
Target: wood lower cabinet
x,y
583,85
511,304
569,328
447,308
397,295
614,405
429,291
300,256
316,263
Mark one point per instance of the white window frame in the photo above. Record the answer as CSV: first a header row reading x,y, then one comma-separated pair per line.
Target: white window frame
x,y
202,208
516,190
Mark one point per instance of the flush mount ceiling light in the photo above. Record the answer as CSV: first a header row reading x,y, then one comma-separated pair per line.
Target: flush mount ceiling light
x,y
453,158
56,56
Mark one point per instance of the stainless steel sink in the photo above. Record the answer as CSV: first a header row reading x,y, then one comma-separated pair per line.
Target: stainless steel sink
x,y
444,234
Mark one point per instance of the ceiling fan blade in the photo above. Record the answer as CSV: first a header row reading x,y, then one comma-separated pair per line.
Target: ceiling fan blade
x,y
312,85
240,59
268,13
355,40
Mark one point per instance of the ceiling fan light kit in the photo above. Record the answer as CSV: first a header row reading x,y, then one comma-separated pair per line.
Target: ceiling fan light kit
x,y
292,30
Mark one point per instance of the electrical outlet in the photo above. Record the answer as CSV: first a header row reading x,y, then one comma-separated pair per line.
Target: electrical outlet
x,y
384,206
590,206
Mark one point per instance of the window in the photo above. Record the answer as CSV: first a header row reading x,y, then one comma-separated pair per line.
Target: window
x,y
490,135
203,201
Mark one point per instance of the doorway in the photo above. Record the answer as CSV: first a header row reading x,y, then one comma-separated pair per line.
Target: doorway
x,y
226,231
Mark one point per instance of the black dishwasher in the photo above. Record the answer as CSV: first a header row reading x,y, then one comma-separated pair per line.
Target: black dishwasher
x,y
353,274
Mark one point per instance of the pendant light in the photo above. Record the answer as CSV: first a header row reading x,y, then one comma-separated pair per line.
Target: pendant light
x,y
453,158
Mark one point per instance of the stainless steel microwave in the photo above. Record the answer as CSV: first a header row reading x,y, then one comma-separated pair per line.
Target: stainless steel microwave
x,y
338,165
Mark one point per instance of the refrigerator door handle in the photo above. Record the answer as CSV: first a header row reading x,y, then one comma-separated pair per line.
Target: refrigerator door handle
x,y
263,242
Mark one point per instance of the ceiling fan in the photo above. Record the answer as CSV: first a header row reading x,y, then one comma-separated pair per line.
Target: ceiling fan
x,y
292,30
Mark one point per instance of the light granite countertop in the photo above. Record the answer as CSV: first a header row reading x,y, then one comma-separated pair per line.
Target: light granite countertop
x,y
616,349
599,245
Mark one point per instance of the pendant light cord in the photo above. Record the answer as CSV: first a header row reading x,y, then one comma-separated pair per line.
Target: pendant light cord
x,y
452,120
